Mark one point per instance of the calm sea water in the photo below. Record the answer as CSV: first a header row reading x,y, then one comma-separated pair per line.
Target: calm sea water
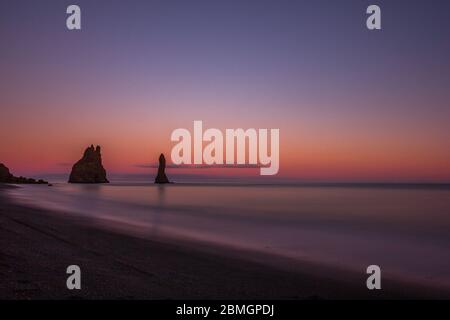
x,y
405,230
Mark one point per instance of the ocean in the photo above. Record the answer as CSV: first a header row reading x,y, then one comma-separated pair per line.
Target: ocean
x,y
405,229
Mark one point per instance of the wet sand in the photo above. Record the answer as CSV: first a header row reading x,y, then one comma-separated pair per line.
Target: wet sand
x,y
38,245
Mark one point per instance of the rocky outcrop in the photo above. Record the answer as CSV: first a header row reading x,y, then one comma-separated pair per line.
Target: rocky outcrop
x,y
7,177
161,177
89,168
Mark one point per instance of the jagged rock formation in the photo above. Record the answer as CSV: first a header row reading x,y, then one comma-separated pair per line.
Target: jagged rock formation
x,y
161,177
7,177
89,169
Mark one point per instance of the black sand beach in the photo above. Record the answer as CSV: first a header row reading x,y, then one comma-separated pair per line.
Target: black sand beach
x,y
37,246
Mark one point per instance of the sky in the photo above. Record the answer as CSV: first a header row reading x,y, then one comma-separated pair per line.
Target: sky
x,y
351,104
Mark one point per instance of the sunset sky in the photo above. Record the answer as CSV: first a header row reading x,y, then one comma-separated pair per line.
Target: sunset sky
x,y
351,104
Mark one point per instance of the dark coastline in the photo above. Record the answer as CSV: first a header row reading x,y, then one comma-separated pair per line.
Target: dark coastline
x,y
37,246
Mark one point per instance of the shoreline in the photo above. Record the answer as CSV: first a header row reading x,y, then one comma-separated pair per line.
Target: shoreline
x,y
38,245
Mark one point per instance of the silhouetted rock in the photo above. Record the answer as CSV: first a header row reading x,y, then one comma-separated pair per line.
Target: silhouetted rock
x,y
7,177
161,177
89,169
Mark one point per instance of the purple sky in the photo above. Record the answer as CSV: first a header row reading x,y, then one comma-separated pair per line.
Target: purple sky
x,y
350,103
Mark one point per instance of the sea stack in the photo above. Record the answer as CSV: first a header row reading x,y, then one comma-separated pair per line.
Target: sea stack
x,y
89,168
7,177
161,177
